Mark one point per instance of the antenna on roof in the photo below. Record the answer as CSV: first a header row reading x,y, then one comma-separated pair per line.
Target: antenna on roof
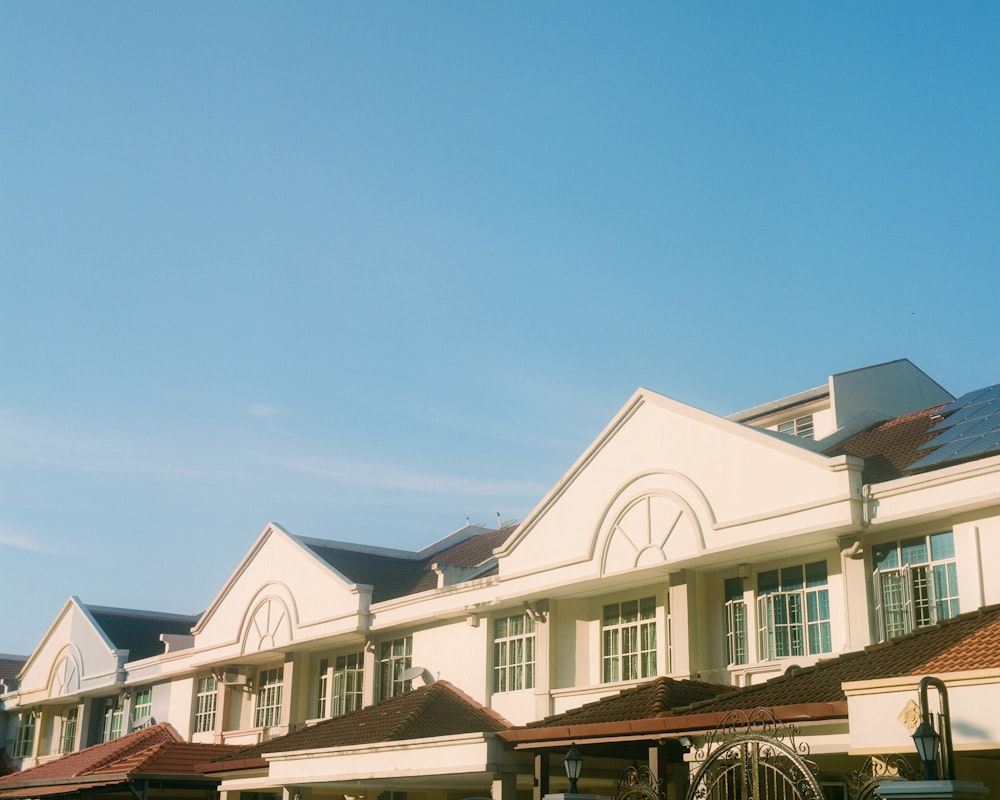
x,y
466,520
498,520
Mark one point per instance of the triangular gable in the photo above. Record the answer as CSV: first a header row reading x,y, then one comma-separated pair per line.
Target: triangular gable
x,y
665,482
278,588
74,655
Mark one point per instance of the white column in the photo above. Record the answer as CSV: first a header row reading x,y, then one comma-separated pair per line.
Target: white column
x,y
504,786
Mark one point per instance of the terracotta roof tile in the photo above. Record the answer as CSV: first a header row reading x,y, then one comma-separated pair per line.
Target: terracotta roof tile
x,y
648,700
890,447
157,750
439,709
968,642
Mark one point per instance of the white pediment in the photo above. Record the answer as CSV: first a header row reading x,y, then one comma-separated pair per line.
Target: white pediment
x,y
280,590
74,655
665,483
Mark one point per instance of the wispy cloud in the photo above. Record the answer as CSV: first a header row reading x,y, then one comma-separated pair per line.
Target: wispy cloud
x,y
266,411
23,542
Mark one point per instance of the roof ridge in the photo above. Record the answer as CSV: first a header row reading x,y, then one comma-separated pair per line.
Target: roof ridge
x,y
137,612
497,716
140,743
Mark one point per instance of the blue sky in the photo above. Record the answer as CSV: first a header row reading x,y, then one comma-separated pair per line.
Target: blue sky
x,y
368,269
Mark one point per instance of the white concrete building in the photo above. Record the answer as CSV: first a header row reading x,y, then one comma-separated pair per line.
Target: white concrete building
x,y
718,551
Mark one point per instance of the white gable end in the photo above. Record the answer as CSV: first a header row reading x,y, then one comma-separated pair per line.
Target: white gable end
x,y
73,656
666,482
280,593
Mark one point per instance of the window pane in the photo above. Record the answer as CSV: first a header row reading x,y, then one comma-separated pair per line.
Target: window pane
x,y
914,551
942,546
767,582
791,578
885,556
816,574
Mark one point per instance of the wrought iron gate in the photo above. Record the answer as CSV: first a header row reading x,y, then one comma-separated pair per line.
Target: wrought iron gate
x,y
754,756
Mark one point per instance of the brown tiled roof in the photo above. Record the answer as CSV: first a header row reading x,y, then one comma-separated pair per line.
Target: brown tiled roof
x,y
439,709
890,447
968,642
652,699
397,576
155,750
139,631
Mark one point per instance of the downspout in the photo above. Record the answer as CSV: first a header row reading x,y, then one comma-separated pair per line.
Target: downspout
x,y
866,507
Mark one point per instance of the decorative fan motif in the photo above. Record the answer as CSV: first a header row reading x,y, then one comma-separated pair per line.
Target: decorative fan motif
x,y
269,627
650,530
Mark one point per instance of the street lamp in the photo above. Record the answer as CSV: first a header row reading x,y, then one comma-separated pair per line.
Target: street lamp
x,y
573,762
927,740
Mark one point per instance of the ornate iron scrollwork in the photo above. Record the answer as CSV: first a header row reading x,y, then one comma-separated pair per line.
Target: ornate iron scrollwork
x,y
638,783
876,770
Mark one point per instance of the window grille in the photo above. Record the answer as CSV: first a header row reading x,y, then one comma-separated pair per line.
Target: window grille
x,y
206,699
269,689
513,653
793,612
628,633
915,582
395,656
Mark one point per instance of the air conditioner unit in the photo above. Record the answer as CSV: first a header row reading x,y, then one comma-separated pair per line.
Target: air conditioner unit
x,y
234,678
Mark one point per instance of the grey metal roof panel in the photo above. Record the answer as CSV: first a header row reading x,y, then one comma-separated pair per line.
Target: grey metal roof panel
x,y
970,428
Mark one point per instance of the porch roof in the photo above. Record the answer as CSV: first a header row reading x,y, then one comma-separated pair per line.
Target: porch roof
x,y
438,709
155,751
967,642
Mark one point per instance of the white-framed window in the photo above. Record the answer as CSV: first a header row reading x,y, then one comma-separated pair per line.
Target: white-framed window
x,y
736,621
339,686
513,653
267,711
114,715
323,689
348,682
24,739
793,612
915,582
628,640
394,657
206,699
801,427
67,733
142,709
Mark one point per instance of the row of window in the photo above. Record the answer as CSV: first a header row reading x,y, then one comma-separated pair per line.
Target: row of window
x,y
915,582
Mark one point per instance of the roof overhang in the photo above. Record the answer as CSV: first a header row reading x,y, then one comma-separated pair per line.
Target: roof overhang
x,y
665,727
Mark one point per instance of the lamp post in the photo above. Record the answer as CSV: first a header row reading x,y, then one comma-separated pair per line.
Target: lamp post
x,y
927,739
573,762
